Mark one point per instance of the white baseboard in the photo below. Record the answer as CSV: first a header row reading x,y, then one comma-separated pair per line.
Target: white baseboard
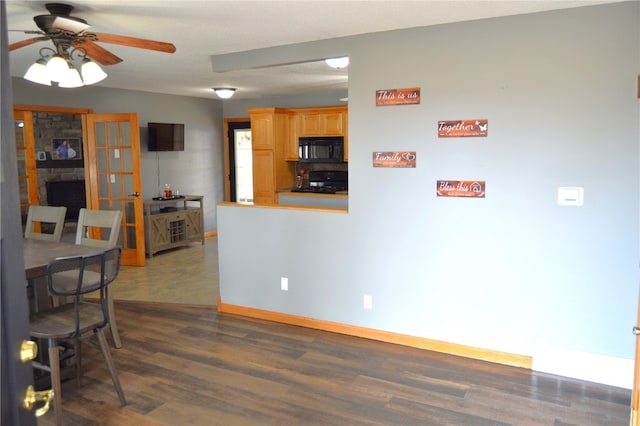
x,y
591,367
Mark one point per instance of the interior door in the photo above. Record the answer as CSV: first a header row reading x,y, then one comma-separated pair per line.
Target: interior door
x,y
635,396
112,173
17,375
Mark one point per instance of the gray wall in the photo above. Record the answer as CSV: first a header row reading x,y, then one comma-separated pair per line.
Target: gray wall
x,y
512,272
238,108
199,169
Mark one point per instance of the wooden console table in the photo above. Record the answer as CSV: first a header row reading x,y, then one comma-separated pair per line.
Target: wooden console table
x,y
172,222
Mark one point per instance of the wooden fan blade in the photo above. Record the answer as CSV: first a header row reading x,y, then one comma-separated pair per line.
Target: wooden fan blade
x,y
97,53
27,42
135,42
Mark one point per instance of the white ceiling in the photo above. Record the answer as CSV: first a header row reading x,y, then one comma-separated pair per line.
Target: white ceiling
x,y
204,28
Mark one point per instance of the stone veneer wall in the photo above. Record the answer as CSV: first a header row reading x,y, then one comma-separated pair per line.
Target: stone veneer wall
x,y
46,127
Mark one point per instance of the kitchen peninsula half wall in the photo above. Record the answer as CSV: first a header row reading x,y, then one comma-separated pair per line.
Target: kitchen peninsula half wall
x,y
313,199
277,165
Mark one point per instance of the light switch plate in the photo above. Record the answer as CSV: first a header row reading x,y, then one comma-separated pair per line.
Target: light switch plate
x,y
570,196
368,301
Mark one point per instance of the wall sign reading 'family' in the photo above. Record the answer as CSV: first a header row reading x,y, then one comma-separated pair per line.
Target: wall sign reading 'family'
x,y
400,159
461,188
409,96
463,128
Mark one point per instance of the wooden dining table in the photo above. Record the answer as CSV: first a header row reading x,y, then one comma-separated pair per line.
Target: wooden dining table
x,y
37,256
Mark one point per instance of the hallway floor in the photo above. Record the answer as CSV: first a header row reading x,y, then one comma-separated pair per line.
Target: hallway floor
x,y
186,275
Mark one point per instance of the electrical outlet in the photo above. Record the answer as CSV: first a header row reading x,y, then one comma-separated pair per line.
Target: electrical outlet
x,y
368,301
284,283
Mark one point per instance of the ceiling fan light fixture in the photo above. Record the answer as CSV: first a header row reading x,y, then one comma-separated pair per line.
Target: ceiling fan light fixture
x,y
341,62
57,68
91,72
224,92
71,78
37,72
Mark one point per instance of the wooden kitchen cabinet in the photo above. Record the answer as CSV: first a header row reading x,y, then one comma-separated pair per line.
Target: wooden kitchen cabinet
x,y
291,153
270,135
264,176
326,122
172,223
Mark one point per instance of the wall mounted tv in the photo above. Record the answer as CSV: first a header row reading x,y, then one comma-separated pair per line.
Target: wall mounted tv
x,y
166,137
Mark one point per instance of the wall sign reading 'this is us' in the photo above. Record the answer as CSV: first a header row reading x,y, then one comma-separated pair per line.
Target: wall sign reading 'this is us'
x,y
463,128
461,188
406,159
407,96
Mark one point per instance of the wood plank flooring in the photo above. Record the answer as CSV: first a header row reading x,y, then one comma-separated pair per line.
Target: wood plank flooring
x,y
189,365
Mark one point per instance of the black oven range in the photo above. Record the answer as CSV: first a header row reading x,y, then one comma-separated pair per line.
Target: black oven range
x,y
325,182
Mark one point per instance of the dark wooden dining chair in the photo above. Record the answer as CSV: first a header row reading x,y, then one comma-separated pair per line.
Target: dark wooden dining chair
x,y
77,320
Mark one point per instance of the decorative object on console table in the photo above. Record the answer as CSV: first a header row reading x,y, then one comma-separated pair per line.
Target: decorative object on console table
x,y
171,223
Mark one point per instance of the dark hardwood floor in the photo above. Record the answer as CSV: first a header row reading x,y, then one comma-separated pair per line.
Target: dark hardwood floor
x,y
188,365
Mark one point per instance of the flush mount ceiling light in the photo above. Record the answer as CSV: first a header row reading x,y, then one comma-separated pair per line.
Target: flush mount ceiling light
x,y
224,92
341,62
58,67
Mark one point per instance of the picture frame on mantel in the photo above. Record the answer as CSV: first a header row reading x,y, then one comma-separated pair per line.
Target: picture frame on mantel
x,y
62,153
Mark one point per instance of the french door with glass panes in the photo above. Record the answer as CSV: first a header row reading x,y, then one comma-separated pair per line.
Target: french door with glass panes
x,y
112,170
26,156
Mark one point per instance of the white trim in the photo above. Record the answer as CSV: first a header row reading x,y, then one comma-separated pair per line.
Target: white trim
x,y
591,367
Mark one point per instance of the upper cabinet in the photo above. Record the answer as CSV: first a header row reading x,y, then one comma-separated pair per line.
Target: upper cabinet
x,y
327,122
262,128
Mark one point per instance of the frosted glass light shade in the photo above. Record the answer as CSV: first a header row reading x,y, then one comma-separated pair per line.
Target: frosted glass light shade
x,y
57,68
91,72
71,79
38,73
341,62
224,92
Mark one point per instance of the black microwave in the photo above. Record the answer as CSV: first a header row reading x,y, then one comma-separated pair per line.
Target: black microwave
x,y
325,149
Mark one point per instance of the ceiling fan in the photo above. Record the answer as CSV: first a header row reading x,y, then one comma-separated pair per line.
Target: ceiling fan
x,y
69,32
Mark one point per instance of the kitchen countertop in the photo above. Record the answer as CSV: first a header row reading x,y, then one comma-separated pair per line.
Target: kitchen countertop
x,y
285,207
288,192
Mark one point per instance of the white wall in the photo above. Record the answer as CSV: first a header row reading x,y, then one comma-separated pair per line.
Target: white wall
x,y
511,272
199,169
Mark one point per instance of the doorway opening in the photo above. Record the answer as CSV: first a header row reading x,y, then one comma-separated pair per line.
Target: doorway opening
x,y
240,161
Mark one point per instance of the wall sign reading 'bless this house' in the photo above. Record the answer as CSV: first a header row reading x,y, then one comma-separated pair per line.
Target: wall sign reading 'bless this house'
x,y
386,97
461,188
463,128
402,159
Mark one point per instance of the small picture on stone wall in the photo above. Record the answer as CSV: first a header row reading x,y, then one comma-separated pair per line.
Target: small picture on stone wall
x,y
66,149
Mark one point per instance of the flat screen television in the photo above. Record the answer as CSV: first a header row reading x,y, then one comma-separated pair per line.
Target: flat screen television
x,y
166,137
